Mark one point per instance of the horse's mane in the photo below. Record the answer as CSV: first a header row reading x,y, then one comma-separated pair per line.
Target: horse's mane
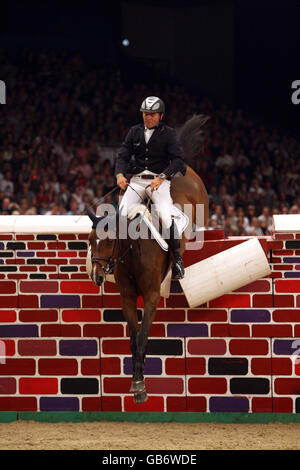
x,y
191,136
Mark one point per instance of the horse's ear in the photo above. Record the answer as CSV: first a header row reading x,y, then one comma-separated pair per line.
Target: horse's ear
x,y
93,217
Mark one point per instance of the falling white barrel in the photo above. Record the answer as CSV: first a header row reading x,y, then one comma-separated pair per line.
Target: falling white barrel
x,y
224,272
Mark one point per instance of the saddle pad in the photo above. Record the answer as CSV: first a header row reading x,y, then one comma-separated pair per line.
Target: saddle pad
x,y
180,218
146,217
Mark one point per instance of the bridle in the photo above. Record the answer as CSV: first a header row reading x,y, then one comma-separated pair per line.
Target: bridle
x,y
112,260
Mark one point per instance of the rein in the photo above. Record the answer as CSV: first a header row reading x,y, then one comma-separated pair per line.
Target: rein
x,y
111,261
99,201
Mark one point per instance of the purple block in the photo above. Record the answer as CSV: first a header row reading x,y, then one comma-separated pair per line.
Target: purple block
x,y
290,274
187,330
287,346
231,404
291,259
18,331
1,246
60,301
24,254
78,347
251,315
1,261
153,366
59,404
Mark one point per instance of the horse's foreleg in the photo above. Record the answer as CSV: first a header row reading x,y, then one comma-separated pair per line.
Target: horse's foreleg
x,y
130,314
133,333
138,382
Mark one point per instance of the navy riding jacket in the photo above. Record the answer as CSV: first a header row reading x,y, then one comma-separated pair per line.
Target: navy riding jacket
x,y
162,154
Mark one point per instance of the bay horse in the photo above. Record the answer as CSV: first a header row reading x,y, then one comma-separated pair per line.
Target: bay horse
x,y
140,265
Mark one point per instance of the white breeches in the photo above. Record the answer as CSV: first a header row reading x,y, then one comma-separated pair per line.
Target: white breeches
x,y
160,197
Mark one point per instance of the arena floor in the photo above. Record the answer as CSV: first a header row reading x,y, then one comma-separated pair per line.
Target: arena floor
x,y
31,435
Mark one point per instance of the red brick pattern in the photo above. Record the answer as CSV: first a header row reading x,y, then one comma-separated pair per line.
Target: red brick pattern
x,y
65,346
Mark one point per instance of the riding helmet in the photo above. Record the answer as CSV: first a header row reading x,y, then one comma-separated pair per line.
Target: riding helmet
x,y
152,104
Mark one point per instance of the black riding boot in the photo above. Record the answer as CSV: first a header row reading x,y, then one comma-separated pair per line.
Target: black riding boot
x,y
174,244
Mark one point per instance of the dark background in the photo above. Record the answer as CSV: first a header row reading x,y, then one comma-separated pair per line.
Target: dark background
x,y
242,53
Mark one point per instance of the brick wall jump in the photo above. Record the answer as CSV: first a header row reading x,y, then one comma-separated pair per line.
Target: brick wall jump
x,y
64,345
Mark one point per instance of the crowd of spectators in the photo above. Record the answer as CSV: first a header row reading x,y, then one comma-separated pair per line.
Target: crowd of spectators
x,y
60,113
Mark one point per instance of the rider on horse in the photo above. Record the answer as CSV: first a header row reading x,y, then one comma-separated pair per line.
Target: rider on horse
x,y
158,156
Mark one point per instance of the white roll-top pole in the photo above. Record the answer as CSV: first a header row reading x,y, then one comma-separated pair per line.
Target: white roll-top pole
x,y
224,272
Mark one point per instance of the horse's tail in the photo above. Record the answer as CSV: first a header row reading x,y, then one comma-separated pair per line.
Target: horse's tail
x,y
192,136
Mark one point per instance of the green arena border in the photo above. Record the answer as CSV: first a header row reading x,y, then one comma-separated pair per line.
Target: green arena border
x,y
147,417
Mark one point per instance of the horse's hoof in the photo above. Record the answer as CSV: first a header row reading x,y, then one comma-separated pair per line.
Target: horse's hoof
x,y
140,397
137,387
